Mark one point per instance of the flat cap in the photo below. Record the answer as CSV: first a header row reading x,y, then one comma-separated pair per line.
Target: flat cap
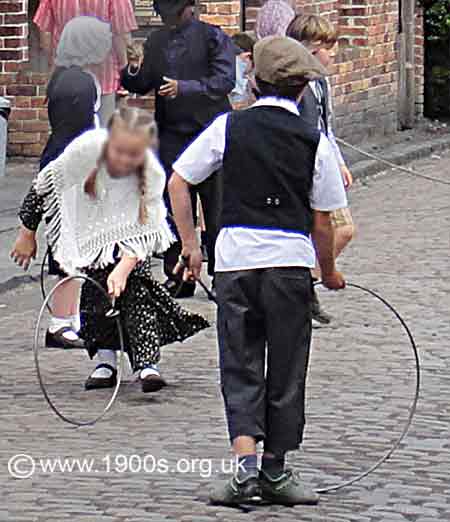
x,y
283,60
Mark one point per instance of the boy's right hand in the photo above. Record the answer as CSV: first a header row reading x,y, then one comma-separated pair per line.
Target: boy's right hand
x,y
333,281
25,248
190,263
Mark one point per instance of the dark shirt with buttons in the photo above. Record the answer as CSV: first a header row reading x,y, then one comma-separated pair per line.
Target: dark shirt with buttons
x,y
201,58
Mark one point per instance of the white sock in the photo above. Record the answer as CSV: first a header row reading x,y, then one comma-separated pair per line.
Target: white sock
x,y
105,357
56,323
150,370
76,322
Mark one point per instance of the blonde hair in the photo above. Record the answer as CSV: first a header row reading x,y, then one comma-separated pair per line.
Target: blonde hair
x,y
132,120
313,30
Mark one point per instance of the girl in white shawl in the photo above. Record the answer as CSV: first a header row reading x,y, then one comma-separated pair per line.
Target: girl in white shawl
x,y
73,96
105,212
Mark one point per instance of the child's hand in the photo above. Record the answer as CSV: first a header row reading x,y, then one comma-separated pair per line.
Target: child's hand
x,y
25,248
117,281
190,263
347,177
169,89
333,281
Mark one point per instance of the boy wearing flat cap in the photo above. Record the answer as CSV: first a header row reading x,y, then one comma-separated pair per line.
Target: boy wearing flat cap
x,y
190,65
280,185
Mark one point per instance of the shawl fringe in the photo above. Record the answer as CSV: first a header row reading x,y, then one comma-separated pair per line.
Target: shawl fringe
x,y
98,252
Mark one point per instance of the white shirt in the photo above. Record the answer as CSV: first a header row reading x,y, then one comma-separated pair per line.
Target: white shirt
x,y
241,248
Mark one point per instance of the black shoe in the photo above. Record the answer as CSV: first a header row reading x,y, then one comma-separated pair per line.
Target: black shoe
x,y
152,383
318,314
96,383
286,490
57,340
179,289
234,493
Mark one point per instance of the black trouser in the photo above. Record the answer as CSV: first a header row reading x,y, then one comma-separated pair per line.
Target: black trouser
x,y
265,310
210,193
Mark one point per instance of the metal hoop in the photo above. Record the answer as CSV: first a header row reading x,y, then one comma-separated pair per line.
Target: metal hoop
x,y
36,354
44,295
412,408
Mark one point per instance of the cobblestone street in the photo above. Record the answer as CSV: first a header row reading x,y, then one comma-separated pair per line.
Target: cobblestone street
x,y
361,384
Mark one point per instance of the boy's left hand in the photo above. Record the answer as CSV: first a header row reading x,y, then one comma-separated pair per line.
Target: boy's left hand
x,y
169,89
347,177
117,281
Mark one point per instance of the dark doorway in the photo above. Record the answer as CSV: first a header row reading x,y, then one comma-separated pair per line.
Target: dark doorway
x,y
437,67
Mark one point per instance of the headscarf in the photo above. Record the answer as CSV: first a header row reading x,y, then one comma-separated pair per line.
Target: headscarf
x,y
85,40
274,18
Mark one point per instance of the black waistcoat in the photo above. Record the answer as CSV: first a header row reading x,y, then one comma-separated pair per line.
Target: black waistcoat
x,y
268,168
183,115
311,109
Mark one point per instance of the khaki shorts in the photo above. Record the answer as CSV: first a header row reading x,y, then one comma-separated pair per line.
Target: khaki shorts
x,y
341,217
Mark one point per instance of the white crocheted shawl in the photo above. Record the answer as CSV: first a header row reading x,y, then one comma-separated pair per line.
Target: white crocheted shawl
x,y
83,232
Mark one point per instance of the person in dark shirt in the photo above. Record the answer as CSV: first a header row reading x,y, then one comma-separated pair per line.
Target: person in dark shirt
x,y
190,65
74,97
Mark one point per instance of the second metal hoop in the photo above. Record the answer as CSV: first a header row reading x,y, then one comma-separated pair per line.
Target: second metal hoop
x,y
75,422
412,408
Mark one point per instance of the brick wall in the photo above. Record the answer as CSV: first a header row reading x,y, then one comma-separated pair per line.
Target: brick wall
x,y
226,14
365,75
366,79
365,84
26,90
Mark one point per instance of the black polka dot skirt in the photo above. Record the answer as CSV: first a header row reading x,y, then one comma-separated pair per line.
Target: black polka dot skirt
x,y
150,318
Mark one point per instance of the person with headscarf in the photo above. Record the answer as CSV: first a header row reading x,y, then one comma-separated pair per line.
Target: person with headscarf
x,y
73,95
274,18
52,16
190,65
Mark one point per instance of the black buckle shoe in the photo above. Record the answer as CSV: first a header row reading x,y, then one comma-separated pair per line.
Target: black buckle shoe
x,y
100,383
57,340
234,493
152,383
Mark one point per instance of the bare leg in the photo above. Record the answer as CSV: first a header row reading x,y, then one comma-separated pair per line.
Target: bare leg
x,y
244,445
65,300
64,323
343,235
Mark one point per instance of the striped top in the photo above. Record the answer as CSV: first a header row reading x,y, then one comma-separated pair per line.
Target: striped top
x,y
52,16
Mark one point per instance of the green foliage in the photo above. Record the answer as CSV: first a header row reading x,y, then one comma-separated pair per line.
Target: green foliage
x,y
437,19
